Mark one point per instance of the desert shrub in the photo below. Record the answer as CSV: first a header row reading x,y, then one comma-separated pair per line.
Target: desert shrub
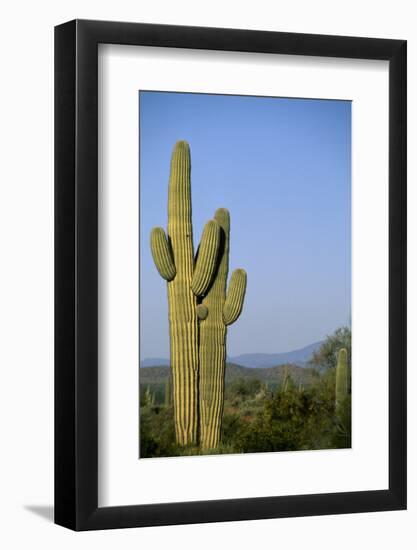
x,y
154,391
157,432
326,356
244,388
231,426
290,420
294,420
278,427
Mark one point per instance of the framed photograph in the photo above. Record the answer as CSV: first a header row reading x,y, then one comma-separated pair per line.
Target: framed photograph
x,y
230,245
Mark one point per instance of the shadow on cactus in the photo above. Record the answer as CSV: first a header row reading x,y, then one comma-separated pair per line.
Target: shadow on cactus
x,y
200,307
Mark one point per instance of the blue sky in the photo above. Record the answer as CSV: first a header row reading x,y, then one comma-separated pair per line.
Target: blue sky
x,y
283,169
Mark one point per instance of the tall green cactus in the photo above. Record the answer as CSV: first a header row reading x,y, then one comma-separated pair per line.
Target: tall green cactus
x,y
342,381
217,310
187,277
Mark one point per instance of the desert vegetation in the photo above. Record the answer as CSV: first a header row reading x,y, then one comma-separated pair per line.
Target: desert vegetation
x,y
284,408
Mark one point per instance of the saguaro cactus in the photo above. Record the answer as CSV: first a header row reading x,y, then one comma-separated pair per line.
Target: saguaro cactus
x,y
149,397
216,312
285,380
187,277
342,381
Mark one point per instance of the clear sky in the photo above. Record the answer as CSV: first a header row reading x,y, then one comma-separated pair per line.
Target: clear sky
x,y
283,169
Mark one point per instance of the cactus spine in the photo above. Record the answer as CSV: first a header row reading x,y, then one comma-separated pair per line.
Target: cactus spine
x,y
342,381
186,278
219,309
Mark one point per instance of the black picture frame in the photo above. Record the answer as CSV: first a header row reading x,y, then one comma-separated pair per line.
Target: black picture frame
x,y
76,272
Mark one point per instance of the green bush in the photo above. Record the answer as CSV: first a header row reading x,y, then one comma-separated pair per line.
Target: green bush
x,y
157,433
326,356
294,420
232,425
244,388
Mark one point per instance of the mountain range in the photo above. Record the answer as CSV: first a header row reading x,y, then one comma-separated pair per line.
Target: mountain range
x,y
271,375
298,357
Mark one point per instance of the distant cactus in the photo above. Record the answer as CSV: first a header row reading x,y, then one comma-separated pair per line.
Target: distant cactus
x,y
263,391
342,381
284,381
168,392
287,383
222,309
148,398
187,277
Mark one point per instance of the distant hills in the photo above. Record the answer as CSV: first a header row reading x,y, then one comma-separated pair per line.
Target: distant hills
x,y
270,375
298,357
154,362
263,360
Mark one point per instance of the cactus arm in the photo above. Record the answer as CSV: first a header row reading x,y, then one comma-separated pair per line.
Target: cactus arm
x,y
235,297
220,311
206,261
162,255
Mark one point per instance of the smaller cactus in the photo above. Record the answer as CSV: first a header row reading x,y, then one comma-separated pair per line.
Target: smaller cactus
x,y
285,379
218,308
287,383
149,397
168,392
